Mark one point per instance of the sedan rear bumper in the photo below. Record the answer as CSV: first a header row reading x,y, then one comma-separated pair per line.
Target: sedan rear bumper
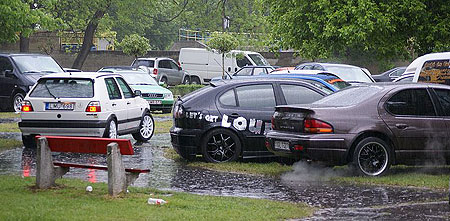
x,y
331,148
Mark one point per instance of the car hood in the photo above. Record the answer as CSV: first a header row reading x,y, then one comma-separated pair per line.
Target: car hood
x,y
151,89
34,77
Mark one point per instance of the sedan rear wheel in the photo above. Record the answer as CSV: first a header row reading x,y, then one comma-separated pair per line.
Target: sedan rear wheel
x,y
221,145
146,128
372,157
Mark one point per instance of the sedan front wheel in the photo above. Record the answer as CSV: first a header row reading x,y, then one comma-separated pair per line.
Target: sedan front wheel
x,y
372,157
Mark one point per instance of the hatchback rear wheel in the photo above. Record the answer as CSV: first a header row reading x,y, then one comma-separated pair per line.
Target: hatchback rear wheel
x,y
111,129
221,145
146,128
372,157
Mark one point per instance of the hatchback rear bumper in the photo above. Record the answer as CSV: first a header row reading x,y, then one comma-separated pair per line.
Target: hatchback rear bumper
x,y
63,127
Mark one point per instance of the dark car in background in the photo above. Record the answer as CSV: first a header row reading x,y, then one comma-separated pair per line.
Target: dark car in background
x,y
369,127
227,120
348,73
389,75
18,73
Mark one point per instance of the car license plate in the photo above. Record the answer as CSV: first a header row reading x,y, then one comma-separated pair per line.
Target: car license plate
x,y
154,102
59,106
282,145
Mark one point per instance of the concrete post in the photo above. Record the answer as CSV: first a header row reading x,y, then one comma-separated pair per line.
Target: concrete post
x,y
46,172
116,171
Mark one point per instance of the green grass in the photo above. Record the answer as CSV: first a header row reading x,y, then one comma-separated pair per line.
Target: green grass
x,y
4,115
9,127
407,176
6,144
265,169
163,126
70,201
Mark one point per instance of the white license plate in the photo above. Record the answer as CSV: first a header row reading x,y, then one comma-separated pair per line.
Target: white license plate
x,y
154,102
282,145
59,106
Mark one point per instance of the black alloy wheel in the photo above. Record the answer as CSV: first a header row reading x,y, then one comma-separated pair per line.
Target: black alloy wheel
x,y
221,145
372,157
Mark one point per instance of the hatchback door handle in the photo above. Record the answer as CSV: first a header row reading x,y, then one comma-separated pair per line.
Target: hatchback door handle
x,y
128,102
401,126
113,104
234,115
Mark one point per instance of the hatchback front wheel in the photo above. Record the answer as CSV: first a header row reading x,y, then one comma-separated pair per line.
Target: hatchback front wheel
x,y
146,128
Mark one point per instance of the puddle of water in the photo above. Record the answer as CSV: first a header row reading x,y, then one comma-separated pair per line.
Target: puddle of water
x,y
167,174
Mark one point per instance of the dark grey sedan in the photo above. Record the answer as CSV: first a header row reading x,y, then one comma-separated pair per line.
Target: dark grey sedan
x,y
369,127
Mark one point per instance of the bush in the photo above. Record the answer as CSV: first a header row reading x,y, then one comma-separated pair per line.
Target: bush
x,y
184,89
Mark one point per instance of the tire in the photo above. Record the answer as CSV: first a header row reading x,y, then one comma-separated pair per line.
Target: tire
x,y
29,141
111,129
17,102
221,145
195,80
146,128
372,157
164,80
186,80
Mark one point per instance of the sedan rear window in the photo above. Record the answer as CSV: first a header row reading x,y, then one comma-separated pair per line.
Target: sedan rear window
x,y
350,96
64,88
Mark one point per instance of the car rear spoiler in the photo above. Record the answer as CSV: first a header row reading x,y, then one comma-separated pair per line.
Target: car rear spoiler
x,y
291,108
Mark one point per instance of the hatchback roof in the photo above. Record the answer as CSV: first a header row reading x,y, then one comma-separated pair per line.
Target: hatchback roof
x,y
91,75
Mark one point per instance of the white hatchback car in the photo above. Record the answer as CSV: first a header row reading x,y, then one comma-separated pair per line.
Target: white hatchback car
x,y
84,104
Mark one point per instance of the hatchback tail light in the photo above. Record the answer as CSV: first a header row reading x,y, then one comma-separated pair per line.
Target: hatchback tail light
x,y
178,111
316,126
155,72
93,106
26,106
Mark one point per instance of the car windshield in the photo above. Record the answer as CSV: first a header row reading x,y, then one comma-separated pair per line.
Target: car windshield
x,y
350,74
30,64
258,59
350,96
138,78
63,88
146,63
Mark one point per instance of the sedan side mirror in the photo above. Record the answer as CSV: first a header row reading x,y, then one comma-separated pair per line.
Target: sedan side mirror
x,y
9,74
137,93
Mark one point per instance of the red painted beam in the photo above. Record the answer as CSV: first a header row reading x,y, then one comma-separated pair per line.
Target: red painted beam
x,y
86,144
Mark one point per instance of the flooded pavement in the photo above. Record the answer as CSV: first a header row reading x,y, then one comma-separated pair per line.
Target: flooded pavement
x,y
336,201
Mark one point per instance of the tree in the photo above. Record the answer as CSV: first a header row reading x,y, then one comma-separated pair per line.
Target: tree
x,y
324,28
135,45
223,43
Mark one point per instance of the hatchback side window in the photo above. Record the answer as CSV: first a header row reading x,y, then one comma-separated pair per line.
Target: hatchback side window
x,y
307,67
164,64
127,92
244,72
228,98
5,65
444,99
256,96
296,94
412,102
113,89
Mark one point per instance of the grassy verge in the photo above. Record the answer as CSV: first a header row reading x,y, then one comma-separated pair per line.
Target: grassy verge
x,y
163,126
9,127
407,176
183,89
8,115
265,169
6,144
70,201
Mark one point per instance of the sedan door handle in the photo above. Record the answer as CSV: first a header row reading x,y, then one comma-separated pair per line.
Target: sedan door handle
x,y
401,126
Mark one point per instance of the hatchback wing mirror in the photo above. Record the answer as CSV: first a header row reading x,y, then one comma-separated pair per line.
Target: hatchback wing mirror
x,y
137,93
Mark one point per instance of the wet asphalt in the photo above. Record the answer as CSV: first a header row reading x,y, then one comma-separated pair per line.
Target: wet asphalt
x,y
307,184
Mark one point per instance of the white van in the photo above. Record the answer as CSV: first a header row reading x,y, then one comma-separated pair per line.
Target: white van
x,y
431,68
203,65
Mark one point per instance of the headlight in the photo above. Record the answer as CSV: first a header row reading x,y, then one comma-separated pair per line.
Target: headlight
x,y
168,96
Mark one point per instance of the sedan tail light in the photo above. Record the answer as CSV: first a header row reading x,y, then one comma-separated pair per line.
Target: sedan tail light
x,y
316,126
93,106
26,106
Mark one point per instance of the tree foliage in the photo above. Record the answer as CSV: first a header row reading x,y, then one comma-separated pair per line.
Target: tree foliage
x,y
135,45
223,43
384,28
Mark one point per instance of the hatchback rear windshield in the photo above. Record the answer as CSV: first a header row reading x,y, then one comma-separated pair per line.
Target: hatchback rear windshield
x,y
146,63
63,88
350,96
